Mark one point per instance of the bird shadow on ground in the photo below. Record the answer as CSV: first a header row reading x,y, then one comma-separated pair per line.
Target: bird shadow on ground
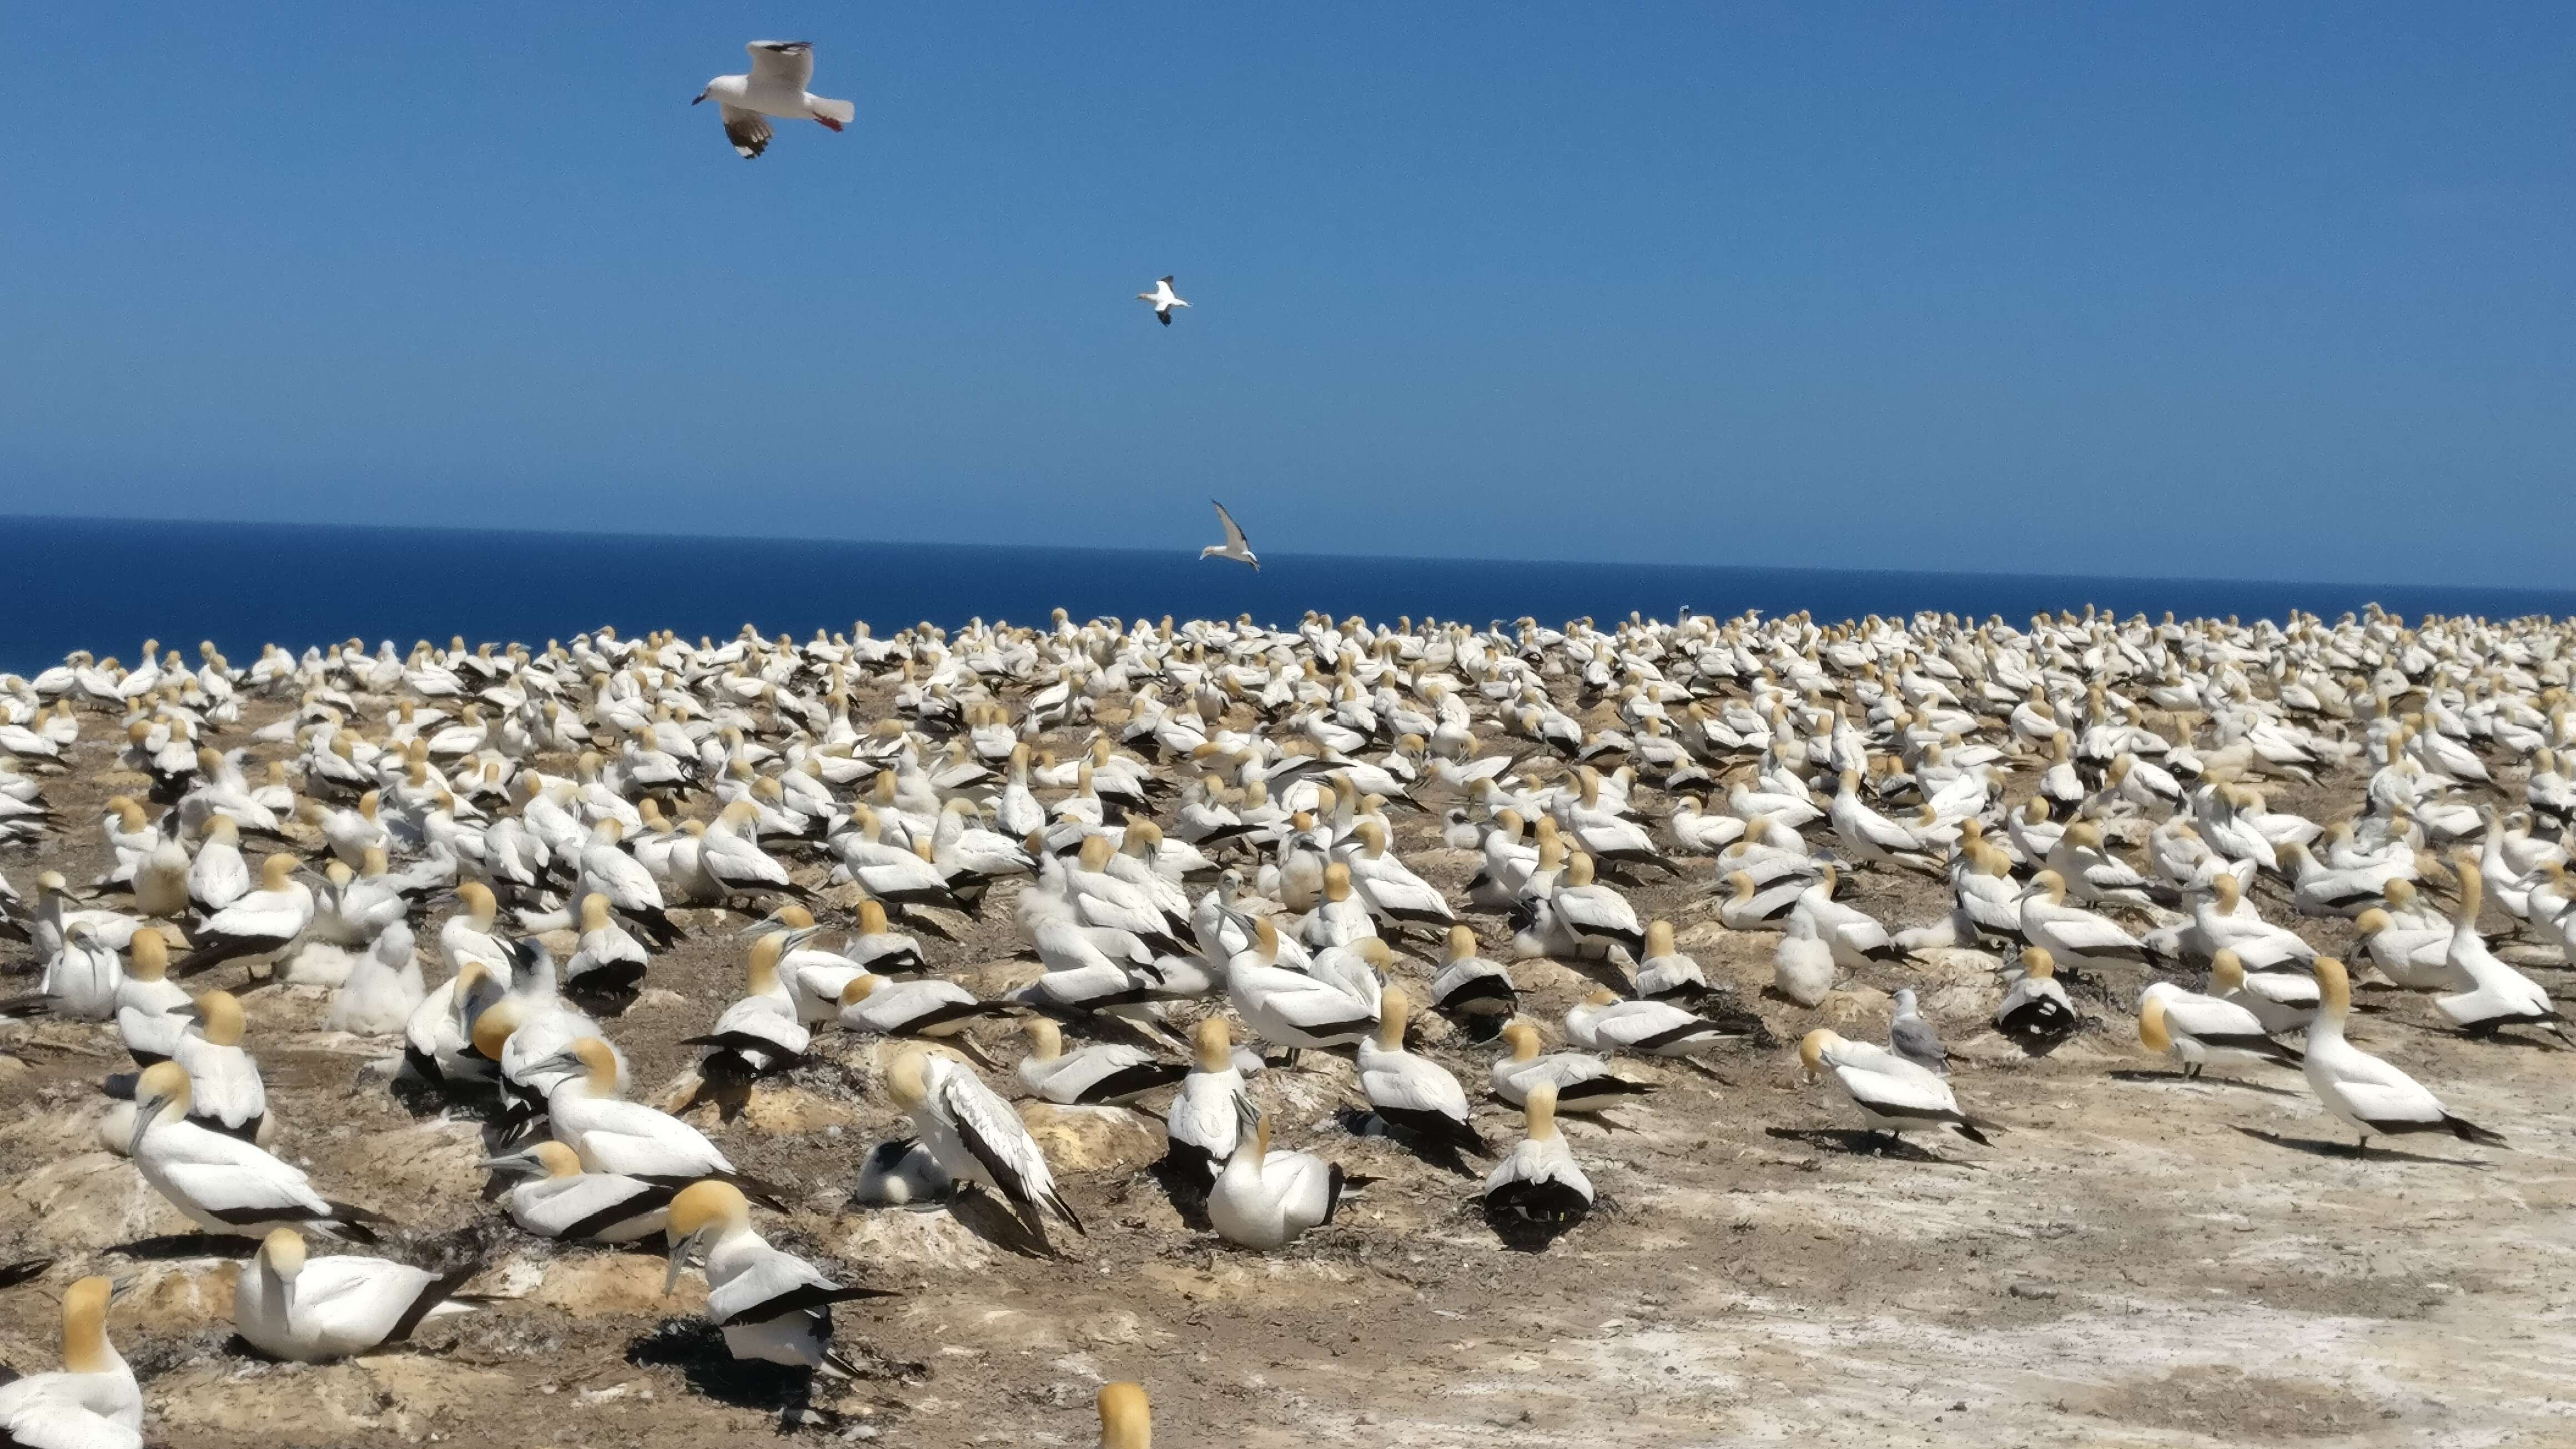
x,y
1361,1122
2510,1036
697,1349
1185,1185
990,1218
172,1247
2321,1147
1854,1143
2177,1079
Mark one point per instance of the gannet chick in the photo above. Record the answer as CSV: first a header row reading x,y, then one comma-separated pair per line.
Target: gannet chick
x,y
1103,1074
1583,1083
2199,1032
1265,1199
2036,1012
772,1305
224,1184
1411,1092
1893,1094
1538,1191
1802,964
2363,1092
900,1172
977,1138
92,1401
557,1199
313,1311
384,987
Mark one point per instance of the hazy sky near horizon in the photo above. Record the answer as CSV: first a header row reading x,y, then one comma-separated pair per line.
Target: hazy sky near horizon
x,y
2139,289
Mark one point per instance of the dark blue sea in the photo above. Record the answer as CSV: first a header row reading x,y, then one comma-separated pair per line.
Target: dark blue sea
x,y
106,585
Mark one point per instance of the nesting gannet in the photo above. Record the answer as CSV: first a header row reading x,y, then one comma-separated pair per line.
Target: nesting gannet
x,y
556,1198
1583,1083
1102,1074
630,1138
1538,1189
2073,936
1894,1095
2363,1092
1472,991
1411,1092
1202,1121
2036,1012
2199,1032
263,922
2497,996
1164,300
2280,1000
148,1002
1265,1199
222,1183
759,1034
976,1137
313,1310
772,1305
1289,1007
775,86
225,1092
92,1401
607,959
1236,546
1605,1023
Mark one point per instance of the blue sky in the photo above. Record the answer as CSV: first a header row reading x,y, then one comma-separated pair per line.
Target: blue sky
x,y
2141,289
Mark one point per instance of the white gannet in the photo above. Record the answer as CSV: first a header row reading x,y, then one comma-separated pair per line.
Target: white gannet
x,y
614,1135
2199,1032
92,1401
2496,995
147,1001
2280,1000
1102,1074
555,1198
977,1138
1164,300
771,1305
1894,1095
2363,1092
262,922
225,1091
1410,1092
775,86
2036,1012
1605,1023
221,1183
1583,1083
313,1310
1538,1190
1236,546
1202,1120
1265,1199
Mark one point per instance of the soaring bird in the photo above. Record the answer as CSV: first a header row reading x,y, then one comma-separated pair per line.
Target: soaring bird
x,y
775,87
1236,546
1164,300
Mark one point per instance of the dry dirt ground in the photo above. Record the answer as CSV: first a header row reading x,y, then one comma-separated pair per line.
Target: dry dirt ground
x,y
2138,1261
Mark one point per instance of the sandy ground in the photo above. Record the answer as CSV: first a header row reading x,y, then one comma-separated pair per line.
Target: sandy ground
x,y
2138,1261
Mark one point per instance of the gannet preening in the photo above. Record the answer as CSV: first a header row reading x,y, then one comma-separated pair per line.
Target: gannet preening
x,y
1236,546
1126,1419
221,1183
92,1401
1539,1190
313,1310
2199,1032
977,1138
780,70
771,1305
555,1198
1164,300
1894,1095
1265,1199
2363,1092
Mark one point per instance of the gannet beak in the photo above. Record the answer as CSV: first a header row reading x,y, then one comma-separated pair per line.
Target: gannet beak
x,y
509,1162
145,1112
680,1252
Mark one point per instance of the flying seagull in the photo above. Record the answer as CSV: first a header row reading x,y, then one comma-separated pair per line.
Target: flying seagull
x,y
1164,300
1236,546
775,87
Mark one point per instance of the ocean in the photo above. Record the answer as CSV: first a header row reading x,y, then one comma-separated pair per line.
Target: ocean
x,y
106,585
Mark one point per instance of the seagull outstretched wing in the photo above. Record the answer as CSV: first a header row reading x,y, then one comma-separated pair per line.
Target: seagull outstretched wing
x,y
788,64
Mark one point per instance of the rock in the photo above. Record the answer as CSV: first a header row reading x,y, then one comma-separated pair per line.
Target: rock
x,y
93,1199
605,1284
1091,1139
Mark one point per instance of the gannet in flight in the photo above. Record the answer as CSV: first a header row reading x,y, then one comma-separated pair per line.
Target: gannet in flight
x,y
775,87
1236,546
1164,300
